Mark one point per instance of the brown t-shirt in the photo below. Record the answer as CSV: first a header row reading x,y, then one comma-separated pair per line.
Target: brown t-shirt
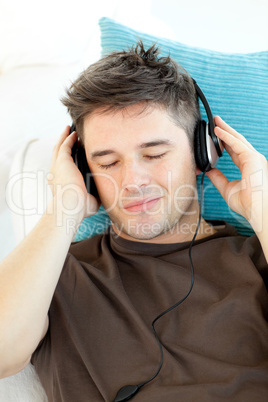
x,y
100,336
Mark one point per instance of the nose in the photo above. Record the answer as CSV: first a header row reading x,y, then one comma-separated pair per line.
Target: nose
x,y
134,177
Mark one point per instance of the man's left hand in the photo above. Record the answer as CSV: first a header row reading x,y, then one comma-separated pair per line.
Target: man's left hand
x,y
249,195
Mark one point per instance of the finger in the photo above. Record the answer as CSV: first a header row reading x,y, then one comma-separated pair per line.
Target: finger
x,y
219,180
234,156
219,122
238,151
61,139
232,144
63,135
68,143
222,124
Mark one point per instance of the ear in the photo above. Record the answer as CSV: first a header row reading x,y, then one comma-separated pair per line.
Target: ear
x,y
197,171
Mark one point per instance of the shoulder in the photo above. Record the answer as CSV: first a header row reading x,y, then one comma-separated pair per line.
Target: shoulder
x,y
87,254
243,250
227,242
88,249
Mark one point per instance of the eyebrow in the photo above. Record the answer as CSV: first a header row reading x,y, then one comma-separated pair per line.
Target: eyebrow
x,y
142,146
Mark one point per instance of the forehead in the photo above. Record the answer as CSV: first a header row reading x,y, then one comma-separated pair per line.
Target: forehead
x,y
130,126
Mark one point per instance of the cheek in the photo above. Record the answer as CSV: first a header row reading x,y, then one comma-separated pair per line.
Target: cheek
x,y
107,188
181,171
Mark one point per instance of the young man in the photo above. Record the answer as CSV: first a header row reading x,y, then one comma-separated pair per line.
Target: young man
x,y
135,114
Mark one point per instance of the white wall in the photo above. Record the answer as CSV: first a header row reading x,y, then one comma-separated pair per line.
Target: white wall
x,y
225,25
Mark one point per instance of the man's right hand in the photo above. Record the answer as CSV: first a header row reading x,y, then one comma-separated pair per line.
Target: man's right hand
x,y
30,273
66,181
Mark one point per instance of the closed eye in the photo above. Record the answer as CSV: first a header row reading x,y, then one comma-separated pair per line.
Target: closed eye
x,y
108,166
151,157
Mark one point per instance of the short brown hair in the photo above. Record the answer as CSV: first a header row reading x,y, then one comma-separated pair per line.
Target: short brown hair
x,y
125,78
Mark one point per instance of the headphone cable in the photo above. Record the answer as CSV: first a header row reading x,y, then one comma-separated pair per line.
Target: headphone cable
x,y
127,392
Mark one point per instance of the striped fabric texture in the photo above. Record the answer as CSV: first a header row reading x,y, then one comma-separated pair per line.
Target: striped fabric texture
x,y
236,87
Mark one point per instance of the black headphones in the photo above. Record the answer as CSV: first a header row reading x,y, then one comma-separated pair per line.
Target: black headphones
x,y
207,146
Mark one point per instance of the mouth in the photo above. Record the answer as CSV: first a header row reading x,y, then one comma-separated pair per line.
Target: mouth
x,y
142,205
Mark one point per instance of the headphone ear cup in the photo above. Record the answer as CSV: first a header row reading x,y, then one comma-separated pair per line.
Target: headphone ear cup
x,y
85,171
200,145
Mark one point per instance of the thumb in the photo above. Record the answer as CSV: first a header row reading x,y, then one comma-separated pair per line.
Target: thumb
x,y
218,180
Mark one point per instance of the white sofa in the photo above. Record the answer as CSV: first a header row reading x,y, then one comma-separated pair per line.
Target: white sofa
x,y
32,116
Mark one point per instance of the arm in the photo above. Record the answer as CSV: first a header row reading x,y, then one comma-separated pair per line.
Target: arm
x,y
29,274
248,196
263,235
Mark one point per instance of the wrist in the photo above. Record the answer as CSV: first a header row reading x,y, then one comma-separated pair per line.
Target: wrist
x,y
263,239
259,214
67,213
260,227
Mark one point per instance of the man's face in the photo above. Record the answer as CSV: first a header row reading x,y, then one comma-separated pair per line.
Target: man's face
x,y
144,170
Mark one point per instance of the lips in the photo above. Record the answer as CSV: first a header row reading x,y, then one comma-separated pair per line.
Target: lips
x,y
142,205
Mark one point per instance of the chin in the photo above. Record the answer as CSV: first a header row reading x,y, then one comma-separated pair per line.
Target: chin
x,y
143,231
143,236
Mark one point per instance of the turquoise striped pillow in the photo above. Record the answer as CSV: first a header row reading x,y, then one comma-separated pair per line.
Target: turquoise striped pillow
x,y
236,86
93,225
